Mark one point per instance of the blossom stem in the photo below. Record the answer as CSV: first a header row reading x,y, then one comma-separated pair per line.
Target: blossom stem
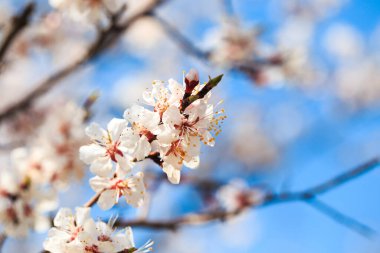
x,y
94,199
212,83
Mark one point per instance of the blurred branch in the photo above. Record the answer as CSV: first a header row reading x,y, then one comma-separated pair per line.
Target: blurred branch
x,y
19,22
184,43
88,104
308,195
252,68
3,237
328,185
105,39
11,145
341,218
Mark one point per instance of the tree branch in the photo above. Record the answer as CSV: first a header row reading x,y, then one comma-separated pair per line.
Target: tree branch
x,y
341,218
19,22
328,185
184,43
251,68
3,238
105,39
307,196
94,199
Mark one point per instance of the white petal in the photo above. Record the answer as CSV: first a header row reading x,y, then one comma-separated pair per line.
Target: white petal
x,y
90,153
172,117
115,127
95,132
41,223
143,148
174,174
193,163
63,218
82,214
136,197
107,199
99,183
123,163
102,167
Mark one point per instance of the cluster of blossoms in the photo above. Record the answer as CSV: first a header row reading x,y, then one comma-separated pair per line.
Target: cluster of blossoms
x,y
234,45
45,166
23,204
51,158
80,233
170,134
237,195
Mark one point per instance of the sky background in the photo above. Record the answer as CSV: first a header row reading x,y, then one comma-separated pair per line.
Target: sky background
x,y
316,135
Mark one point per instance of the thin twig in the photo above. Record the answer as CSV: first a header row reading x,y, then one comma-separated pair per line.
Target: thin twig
x,y
94,199
328,185
306,195
343,219
252,68
184,43
19,22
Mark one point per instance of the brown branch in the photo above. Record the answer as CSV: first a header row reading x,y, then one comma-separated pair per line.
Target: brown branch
x,y
155,157
105,39
3,238
19,22
94,199
308,195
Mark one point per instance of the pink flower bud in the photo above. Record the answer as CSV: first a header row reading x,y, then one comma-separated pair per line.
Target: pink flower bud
x,y
191,80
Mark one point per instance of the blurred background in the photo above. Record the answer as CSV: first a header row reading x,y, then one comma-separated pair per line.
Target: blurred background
x,y
301,90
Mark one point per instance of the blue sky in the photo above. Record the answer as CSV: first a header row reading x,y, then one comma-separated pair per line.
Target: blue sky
x,y
334,139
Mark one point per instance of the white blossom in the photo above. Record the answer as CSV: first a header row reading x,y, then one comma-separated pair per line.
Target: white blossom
x,y
80,233
52,156
108,146
23,205
179,141
233,44
161,97
237,194
111,189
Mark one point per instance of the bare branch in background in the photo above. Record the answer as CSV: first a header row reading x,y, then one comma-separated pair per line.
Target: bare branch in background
x,y
19,22
252,69
308,196
184,43
341,218
105,39
3,238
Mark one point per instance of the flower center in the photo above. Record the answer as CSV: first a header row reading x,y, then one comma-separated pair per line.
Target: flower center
x,y
113,150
